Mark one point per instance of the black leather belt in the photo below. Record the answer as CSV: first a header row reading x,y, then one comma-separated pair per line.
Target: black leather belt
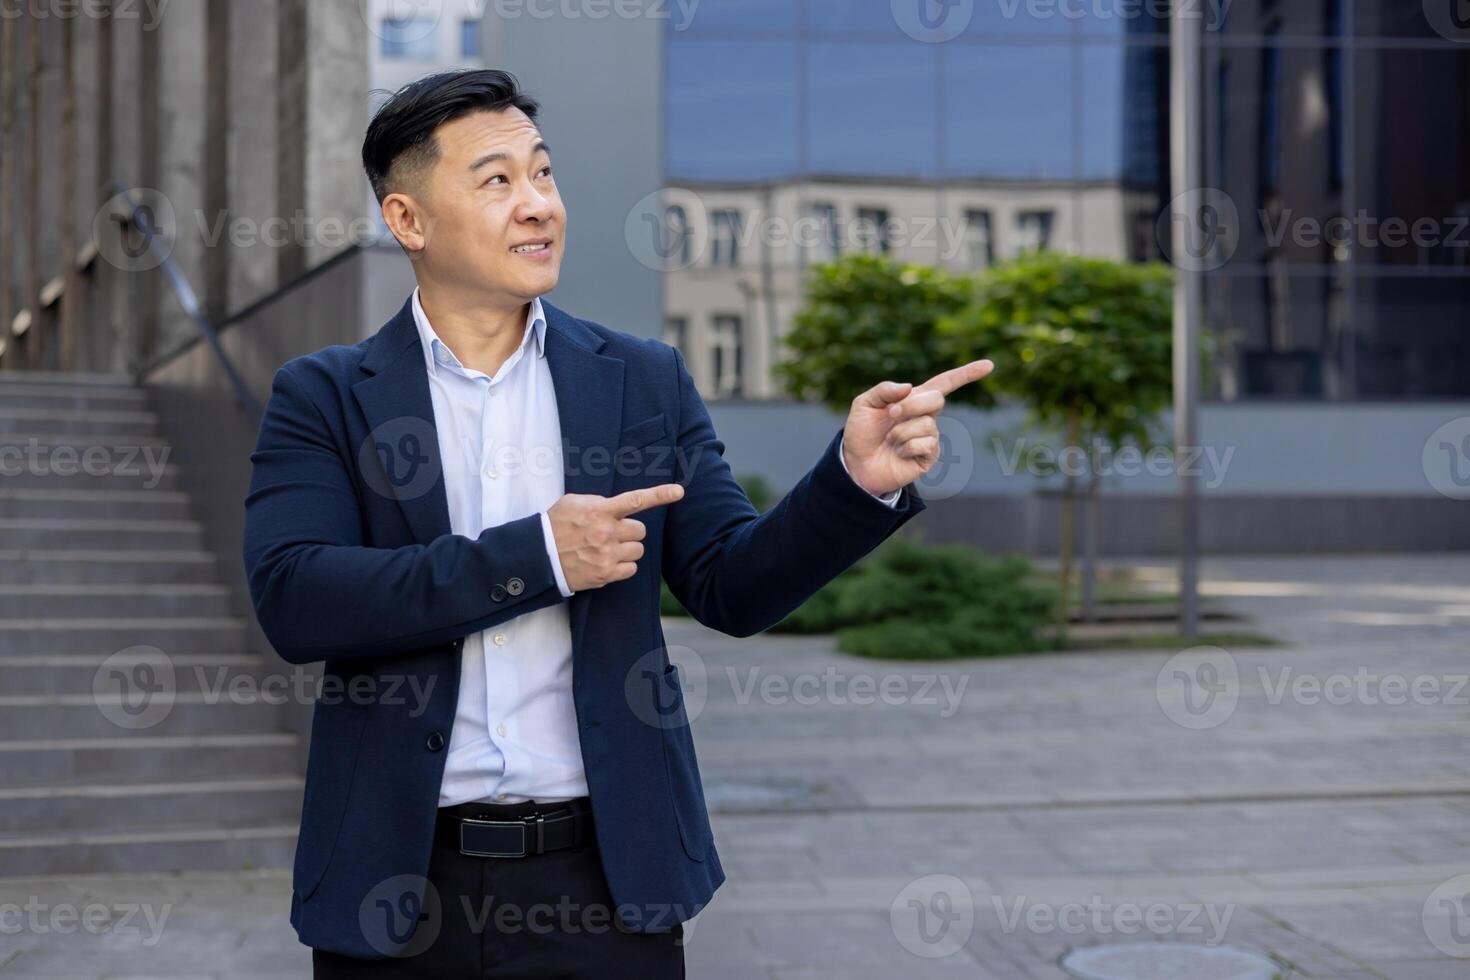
x,y
516,830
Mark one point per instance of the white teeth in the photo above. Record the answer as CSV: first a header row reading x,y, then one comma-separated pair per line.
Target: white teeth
x,y
530,248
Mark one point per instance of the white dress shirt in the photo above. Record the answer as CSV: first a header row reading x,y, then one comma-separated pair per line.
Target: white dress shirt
x,y
515,725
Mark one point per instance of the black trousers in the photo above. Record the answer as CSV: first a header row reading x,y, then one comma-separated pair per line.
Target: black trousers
x,y
541,917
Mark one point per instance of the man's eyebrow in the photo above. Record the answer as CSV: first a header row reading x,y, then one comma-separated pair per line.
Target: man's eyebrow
x,y
488,158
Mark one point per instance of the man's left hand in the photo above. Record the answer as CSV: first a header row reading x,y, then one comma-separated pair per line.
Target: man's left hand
x,y
892,433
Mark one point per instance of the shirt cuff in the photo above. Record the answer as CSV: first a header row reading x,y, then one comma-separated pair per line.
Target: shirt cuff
x,y
891,499
561,578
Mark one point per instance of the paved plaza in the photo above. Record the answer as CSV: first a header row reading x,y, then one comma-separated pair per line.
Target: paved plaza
x,y
894,820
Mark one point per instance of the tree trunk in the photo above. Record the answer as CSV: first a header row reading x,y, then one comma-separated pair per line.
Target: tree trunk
x,y
1064,542
1090,521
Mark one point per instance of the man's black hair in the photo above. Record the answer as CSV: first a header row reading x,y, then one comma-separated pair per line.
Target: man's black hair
x,y
402,130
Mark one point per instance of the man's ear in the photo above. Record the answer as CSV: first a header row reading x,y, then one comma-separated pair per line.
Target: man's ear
x,y
406,221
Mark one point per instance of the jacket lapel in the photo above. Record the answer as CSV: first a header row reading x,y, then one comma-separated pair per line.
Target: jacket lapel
x,y
589,401
589,405
403,447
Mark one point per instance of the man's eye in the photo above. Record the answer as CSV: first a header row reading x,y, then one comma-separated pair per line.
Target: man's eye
x,y
546,170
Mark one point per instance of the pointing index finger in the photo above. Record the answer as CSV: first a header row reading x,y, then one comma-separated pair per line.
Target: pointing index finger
x,y
947,381
632,501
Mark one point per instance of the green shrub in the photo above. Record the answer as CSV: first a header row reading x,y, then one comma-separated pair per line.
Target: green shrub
x,y
758,489
907,601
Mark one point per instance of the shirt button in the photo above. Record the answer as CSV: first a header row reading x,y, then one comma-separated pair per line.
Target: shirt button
x,y
502,796
499,639
515,586
443,355
500,730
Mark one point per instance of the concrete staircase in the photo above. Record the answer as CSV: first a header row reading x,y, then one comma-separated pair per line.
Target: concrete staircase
x,y
100,769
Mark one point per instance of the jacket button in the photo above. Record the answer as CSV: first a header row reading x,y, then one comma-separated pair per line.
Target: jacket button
x,y
498,593
435,741
515,586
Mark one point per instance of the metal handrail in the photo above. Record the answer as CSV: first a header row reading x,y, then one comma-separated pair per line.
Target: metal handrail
x,y
138,217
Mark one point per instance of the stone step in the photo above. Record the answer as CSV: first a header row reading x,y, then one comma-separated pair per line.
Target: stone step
x,y
91,716
72,399
74,421
63,673
65,379
34,761
82,566
168,847
116,600
104,472
81,440
235,801
58,502
173,635
69,533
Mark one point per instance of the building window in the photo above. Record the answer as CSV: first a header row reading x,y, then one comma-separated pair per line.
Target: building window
x,y
1222,125
409,38
725,237
676,331
1268,133
469,38
1336,99
979,241
673,238
872,230
824,241
1033,230
727,357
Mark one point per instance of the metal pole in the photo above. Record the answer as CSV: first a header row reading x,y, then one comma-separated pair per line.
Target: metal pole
x,y
1184,117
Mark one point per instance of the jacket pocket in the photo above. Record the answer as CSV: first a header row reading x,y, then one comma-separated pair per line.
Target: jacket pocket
x,y
336,737
640,434
690,811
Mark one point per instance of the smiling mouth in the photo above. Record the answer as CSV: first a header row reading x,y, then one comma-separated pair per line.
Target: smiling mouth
x,y
532,248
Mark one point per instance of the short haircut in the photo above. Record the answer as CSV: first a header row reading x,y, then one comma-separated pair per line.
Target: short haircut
x,y
401,135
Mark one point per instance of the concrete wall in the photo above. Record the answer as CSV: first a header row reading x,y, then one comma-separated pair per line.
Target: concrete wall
x,y
600,84
1277,478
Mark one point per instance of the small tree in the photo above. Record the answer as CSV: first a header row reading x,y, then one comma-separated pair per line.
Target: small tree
x,y
1086,345
868,319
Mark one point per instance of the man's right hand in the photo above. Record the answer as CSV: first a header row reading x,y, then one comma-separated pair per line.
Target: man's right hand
x,y
597,539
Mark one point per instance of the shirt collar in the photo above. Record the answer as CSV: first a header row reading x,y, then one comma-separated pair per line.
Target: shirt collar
x,y
535,324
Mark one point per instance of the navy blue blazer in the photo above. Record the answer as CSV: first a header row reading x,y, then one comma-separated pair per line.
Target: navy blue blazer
x,y
351,561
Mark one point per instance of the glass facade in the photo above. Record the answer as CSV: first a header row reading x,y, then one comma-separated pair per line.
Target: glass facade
x,y
1339,130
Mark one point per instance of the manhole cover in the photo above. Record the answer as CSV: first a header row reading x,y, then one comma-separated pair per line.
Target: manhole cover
x,y
1168,961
